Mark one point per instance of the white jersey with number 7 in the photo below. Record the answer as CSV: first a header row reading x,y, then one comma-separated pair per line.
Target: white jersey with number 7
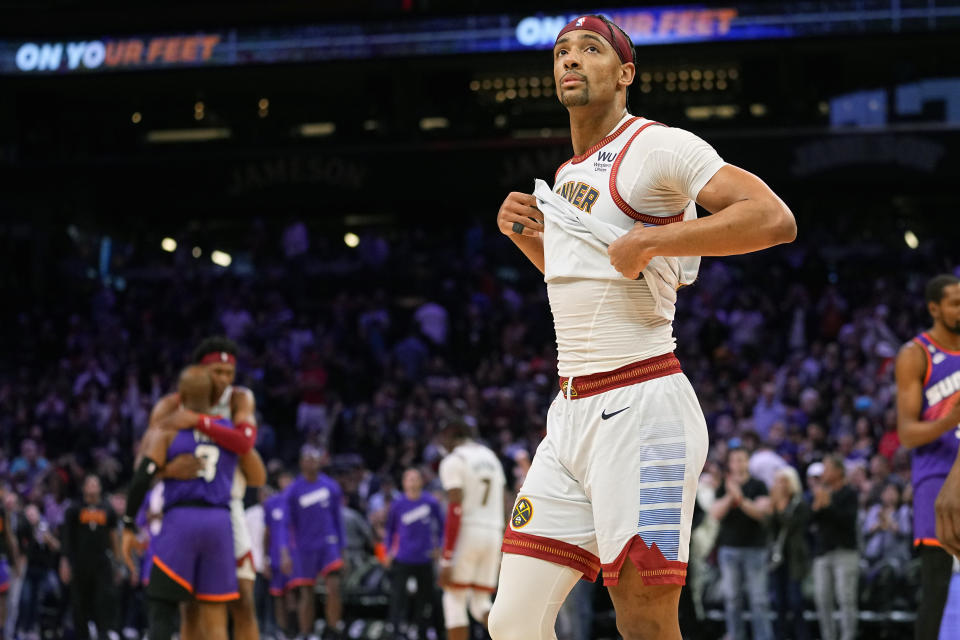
x,y
477,471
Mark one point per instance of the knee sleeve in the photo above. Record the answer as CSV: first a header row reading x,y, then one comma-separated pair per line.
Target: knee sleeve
x,y
529,597
455,608
479,605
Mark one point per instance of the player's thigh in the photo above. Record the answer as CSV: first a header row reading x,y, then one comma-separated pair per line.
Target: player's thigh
x,y
643,476
529,596
552,509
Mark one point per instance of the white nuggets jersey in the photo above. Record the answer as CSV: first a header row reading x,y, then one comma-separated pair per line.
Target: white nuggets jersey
x,y
642,172
242,544
477,471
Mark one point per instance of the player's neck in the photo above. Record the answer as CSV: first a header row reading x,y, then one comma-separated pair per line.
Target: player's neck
x,y
414,496
944,337
588,126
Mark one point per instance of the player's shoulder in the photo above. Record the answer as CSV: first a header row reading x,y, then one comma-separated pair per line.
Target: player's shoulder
x,y
659,136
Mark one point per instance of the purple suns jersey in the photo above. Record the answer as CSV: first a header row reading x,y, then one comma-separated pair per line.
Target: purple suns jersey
x,y
278,524
314,512
213,482
932,462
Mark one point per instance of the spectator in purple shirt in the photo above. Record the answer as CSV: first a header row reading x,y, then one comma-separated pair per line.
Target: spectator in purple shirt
x,y
316,528
413,536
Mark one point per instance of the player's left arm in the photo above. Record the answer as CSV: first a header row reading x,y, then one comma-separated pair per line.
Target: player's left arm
x,y
747,216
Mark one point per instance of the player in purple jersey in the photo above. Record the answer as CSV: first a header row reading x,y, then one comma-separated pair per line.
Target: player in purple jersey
x,y
313,502
928,423
193,559
219,356
276,547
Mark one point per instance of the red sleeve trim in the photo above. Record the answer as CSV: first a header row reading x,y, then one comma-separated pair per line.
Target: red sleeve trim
x,y
451,530
237,439
621,203
926,354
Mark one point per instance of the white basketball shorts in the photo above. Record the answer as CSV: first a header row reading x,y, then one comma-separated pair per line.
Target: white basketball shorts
x,y
616,475
476,559
242,546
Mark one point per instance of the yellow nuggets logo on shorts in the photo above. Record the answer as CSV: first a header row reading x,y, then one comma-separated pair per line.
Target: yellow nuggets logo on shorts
x,y
579,194
521,513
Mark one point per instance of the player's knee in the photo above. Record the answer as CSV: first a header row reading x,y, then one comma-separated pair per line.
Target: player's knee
x,y
647,623
455,608
479,606
511,620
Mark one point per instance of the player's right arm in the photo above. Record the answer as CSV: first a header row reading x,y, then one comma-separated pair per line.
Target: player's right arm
x,y
911,367
522,208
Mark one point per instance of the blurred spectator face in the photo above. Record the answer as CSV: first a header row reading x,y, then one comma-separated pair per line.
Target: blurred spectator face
x,y
118,502
29,450
832,473
782,485
223,374
32,514
890,496
737,462
91,490
284,480
412,483
769,391
879,467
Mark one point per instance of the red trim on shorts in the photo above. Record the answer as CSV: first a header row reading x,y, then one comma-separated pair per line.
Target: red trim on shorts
x,y
592,150
555,551
649,369
301,582
618,199
649,561
471,585
276,593
927,542
218,597
4,587
173,575
330,568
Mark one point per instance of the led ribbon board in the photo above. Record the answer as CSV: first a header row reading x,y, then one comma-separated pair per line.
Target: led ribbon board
x,y
468,34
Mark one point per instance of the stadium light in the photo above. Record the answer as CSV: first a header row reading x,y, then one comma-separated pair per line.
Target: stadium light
x,y
168,244
197,252
351,240
221,258
187,135
911,239
426,124
317,129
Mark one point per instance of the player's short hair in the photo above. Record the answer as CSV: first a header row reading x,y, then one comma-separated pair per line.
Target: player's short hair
x,y
936,285
456,427
214,344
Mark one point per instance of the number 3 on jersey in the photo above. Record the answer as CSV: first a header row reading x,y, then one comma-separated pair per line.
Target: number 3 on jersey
x,y
209,455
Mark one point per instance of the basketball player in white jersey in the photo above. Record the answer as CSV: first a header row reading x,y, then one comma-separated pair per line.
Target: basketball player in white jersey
x,y
613,484
236,404
474,480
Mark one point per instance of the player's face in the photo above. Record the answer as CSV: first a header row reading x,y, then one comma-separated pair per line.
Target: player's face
x,y
947,311
412,481
586,69
310,465
223,375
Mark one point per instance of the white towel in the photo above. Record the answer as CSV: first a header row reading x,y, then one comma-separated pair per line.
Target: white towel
x,y
575,246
